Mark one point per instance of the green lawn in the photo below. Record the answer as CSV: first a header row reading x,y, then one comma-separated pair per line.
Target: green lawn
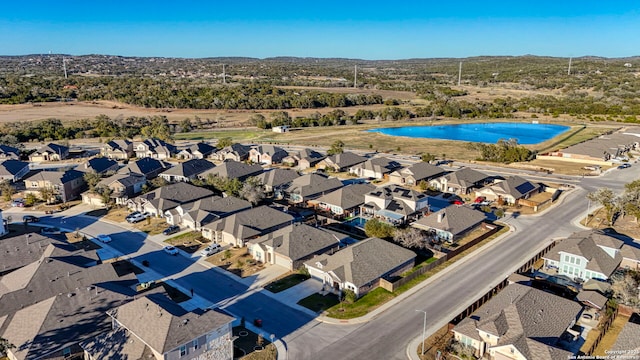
x,y
286,282
317,303
362,306
191,236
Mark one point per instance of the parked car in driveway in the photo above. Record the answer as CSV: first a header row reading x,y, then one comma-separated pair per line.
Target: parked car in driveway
x,y
136,218
17,203
171,230
135,213
171,250
104,238
624,166
211,249
30,218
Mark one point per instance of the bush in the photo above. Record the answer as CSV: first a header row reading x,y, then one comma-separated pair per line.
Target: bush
x,y
30,199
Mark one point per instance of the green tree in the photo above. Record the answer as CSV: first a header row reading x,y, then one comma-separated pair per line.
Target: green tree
x,y
92,179
426,157
158,182
336,148
7,190
30,199
607,199
252,190
224,142
379,229
185,125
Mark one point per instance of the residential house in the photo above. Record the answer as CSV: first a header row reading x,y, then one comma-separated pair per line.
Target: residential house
x,y
291,246
40,303
187,171
451,223
240,227
630,257
414,174
117,149
148,167
303,159
276,179
592,299
602,150
124,186
281,129
627,341
462,181
394,204
100,166
9,153
585,255
50,152
510,190
158,201
341,162
346,201
359,267
376,168
194,215
235,152
154,327
200,150
309,187
13,170
65,185
231,169
520,322
267,154
154,148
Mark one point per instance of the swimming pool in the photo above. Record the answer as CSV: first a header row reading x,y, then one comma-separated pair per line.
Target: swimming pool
x,y
526,133
356,222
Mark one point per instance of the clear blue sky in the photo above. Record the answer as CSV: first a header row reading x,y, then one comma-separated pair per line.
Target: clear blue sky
x,y
324,28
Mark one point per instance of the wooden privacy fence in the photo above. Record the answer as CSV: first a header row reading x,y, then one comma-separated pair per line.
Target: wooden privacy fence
x,y
603,331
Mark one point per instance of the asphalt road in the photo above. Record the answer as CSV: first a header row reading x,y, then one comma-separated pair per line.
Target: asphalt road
x,y
387,336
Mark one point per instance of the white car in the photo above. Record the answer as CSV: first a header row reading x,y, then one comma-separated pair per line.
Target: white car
x,y
104,238
171,250
211,249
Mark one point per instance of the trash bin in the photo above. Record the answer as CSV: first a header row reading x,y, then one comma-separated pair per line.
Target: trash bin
x,y
257,322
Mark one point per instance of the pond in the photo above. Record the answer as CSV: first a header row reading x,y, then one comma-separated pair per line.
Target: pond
x,y
525,133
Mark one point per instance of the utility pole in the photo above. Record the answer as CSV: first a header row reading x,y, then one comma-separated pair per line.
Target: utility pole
x,y
424,328
224,75
459,72
569,69
64,66
355,76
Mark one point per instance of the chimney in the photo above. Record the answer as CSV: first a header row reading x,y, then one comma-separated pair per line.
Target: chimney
x,y
440,215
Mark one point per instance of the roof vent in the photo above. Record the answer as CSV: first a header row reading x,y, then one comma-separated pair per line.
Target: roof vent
x,y
70,295
185,321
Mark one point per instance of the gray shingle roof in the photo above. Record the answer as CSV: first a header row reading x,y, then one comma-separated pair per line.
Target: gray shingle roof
x,y
593,298
421,171
453,219
233,170
466,177
12,167
276,153
347,197
630,252
584,244
100,164
627,341
56,177
252,222
298,241
346,159
380,165
145,166
117,344
164,325
126,179
365,261
201,147
313,184
530,319
54,148
179,193
190,168
10,151
278,177
516,186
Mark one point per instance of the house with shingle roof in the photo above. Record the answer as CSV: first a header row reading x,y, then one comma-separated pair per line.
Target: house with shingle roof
x,y
510,190
235,152
309,187
13,170
119,149
187,171
630,256
50,152
168,197
359,267
200,150
292,245
627,341
275,179
414,174
462,181
341,162
196,214
100,166
51,305
267,154
520,322
156,326
243,226
345,201
149,167
585,255
303,159
9,152
124,186
231,169
451,223
376,168
154,148
66,185
394,204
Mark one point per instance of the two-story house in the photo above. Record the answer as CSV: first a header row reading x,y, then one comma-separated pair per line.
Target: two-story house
x,y
235,152
63,185
200,150
187,171
346,201
117,149
159,201
50,152
394,204
154,148
267,154
100,165
309,187
194,215
148,167
124,186
303,159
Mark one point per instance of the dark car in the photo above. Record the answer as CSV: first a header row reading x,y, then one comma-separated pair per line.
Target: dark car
x,y
171,230
624,166
30,218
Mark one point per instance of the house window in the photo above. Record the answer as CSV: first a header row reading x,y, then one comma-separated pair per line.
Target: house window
x,y
577,261
183,350
195,344
566,258
66,352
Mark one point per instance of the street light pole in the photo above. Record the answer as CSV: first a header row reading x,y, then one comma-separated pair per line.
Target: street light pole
x,y
424,329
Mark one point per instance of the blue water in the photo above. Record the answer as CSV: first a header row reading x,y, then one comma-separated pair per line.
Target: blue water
x,y
357,222
526,133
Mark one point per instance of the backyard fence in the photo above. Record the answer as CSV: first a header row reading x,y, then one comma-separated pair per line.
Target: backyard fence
x,y
603,331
